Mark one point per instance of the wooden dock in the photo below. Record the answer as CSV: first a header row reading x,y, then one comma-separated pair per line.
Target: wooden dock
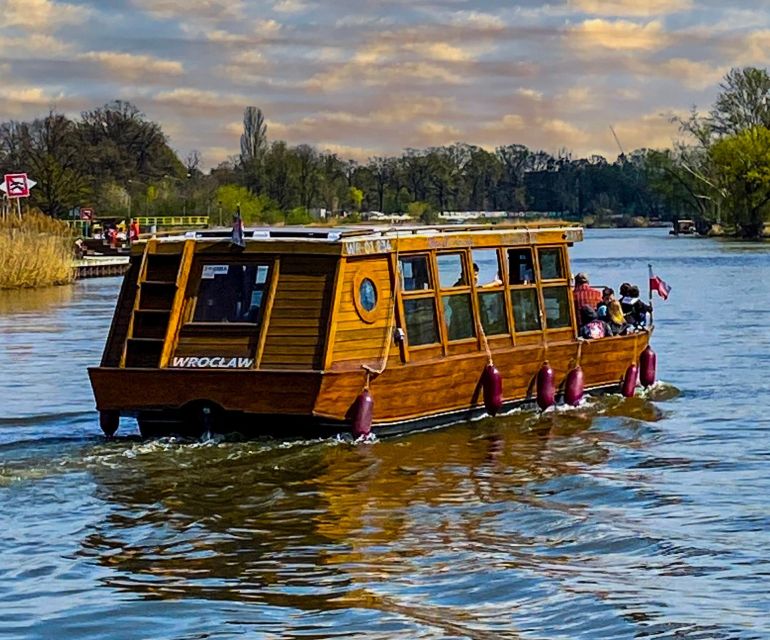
x,y
98,266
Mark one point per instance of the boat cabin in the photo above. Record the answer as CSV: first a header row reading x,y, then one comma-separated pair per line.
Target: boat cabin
x,y
288,330
685,227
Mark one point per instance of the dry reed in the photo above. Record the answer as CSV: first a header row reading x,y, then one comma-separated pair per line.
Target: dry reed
x,y
35,251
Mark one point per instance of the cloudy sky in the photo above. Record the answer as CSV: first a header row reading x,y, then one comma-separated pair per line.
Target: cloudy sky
x,y
372,77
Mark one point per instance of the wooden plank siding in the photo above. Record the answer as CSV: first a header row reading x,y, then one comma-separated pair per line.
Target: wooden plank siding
x,y
296,331
356,340
419,389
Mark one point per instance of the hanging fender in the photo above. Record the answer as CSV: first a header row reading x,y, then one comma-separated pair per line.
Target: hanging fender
x,y
546,389
574,386
648,363
492,384
629,381
362,413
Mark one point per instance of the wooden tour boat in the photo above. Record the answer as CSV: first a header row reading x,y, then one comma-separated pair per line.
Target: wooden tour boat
x,y
316,331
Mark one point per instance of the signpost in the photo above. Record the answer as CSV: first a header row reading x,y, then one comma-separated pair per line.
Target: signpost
x,y
17,185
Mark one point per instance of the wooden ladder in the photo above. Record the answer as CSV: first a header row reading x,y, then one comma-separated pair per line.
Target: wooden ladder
x,y
157,307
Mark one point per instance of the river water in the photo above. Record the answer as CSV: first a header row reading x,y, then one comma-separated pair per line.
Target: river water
x,y
640,518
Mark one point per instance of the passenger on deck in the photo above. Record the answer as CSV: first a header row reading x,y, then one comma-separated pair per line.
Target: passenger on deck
x,y
634,309
610,311
461,280
591,327
584,294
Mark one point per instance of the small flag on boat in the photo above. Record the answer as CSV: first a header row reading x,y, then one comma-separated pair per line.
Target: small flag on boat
x,y
659,285
237,235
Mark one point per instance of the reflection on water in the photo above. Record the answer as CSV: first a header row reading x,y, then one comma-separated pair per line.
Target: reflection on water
x,y
622,518
330,525
26,302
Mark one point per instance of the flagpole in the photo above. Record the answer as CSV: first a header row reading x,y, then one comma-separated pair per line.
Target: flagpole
x,y
649,289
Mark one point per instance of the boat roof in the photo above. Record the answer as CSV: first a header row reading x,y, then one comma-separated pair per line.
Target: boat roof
x,y
371,239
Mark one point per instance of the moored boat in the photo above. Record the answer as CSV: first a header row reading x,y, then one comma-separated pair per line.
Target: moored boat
x,y
316,331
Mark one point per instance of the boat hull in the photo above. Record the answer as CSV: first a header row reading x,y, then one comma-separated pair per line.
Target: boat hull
x,y
407,396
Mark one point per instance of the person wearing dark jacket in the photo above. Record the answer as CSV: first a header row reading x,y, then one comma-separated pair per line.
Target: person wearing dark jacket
x,y
634,308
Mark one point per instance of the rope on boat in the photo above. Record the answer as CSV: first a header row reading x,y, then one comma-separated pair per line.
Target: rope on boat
x,y
390,333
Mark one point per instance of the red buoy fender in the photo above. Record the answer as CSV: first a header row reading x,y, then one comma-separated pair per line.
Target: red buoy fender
x,y
546,389
362,413
648,363
629,381
492,384
574,386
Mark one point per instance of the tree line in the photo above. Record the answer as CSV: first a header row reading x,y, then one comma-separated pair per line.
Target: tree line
x,y
115,160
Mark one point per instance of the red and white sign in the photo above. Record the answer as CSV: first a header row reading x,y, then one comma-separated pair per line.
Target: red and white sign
x,y
86,213
16,185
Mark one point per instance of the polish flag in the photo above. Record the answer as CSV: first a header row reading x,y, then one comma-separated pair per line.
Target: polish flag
x,y
663,288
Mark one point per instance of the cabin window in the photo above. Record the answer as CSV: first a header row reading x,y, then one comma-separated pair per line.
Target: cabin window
x,y
421,327
420,312
367,293
451,272
365,298
492,310
491,295
556,307
526,311
231,293
490,273
551,267
458,316
521,269
415,274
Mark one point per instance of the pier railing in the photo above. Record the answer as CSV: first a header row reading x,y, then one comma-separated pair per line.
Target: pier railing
x,y
145,222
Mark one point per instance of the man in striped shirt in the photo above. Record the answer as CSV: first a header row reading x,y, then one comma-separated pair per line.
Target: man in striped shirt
x,y
584,294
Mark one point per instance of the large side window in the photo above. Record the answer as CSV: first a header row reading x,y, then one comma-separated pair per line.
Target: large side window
x,y
231,293
551,264
556,307
455,285
490,292
524,298
415,273
419,300
521,268
556,294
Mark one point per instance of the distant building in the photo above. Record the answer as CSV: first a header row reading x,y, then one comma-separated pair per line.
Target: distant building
x,y
392,218
462,216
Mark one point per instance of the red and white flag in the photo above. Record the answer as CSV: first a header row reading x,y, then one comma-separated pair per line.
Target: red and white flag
x,y
659,285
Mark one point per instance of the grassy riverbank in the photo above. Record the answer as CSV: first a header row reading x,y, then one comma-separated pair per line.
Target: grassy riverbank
x,y
34,252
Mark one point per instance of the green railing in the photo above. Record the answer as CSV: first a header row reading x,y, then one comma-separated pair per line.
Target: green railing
x,y
145,222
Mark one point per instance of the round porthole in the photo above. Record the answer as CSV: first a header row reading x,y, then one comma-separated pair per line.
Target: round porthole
x,y
366,298
368,294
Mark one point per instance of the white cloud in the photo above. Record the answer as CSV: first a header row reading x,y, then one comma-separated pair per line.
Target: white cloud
x,y
40,15
290,6
618,35
530,94
34,46
641,8
753,49
697,75
191,10
484,21
128,66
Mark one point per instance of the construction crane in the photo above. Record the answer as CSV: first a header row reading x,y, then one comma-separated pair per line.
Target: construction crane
x,y
622,156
